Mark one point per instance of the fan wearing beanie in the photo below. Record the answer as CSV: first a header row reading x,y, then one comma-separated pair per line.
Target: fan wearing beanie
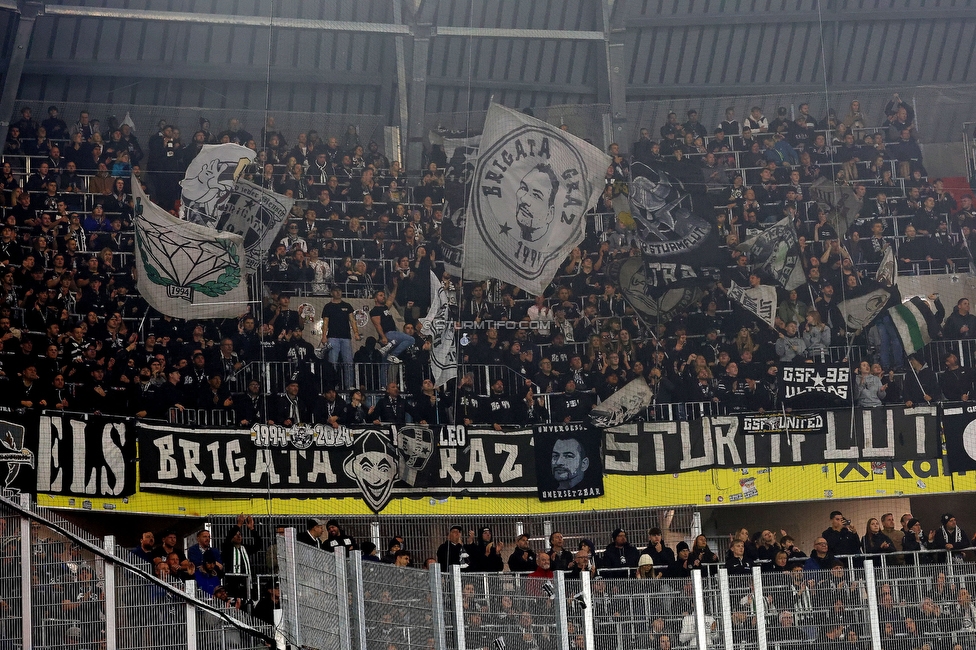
x,y
338,538
949,536
485,552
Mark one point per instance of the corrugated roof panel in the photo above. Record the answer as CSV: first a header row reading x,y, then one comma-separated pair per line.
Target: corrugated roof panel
x,y
198,44
241,44
108,40
221,45
934,38
908,41
969,42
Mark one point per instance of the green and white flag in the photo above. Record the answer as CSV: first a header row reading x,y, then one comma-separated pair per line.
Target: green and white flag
x,y
910,321
186,270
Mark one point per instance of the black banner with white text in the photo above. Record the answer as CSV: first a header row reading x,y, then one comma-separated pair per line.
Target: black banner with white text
x,y
66,454
725,441
375,463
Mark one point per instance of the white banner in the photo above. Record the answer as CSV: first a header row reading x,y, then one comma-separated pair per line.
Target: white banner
x,y
776,251
623,405
531,189
209,179
760,301
859,311
255,214
439,325
186,270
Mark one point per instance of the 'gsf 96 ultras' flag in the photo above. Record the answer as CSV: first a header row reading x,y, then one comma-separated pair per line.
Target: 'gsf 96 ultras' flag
x,y
530,191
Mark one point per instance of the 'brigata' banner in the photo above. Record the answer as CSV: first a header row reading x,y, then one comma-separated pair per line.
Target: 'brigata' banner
x,y
882,434
375,463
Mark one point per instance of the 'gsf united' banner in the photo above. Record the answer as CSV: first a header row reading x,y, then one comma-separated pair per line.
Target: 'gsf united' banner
x,y
873,434
375,463
66,454
959,427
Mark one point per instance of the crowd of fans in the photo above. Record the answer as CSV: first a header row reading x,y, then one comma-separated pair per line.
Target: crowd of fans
x,y
75,332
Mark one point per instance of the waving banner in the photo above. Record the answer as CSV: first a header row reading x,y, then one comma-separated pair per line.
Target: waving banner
x,y
531,188
462,156
759,301
186,270
882,434
255,214
439,325
861,308
776,252
624,405
209,180
660,289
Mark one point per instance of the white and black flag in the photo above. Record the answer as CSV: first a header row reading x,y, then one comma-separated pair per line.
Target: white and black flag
x,y
462,156
624,405
759,301
531,189
209,180
255,214
439,325
776,252
861,308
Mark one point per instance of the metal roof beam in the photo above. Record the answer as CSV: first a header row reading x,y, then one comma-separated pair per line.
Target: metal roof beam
x,y
156,70
225,19
528,86
534,34
752,18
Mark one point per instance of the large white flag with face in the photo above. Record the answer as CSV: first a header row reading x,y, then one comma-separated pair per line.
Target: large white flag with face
x,y
209,179
531,189
184,269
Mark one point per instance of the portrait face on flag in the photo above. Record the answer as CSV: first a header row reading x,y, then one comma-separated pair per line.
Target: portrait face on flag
x,y
531,188
569,464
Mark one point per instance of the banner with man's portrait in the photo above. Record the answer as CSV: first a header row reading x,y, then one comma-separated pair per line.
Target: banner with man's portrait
x,y
569,461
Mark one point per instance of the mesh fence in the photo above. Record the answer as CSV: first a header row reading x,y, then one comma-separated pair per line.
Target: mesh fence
x,y
309,585
423,534
639,613
67,594
147,614
450,608
11,584
399,606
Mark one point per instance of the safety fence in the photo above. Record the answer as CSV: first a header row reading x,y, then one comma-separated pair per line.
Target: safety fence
x,y
60,587
64,588
422,534
386,606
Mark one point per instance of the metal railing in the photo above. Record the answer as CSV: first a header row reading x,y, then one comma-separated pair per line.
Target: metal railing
x,y
61,587
864,606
